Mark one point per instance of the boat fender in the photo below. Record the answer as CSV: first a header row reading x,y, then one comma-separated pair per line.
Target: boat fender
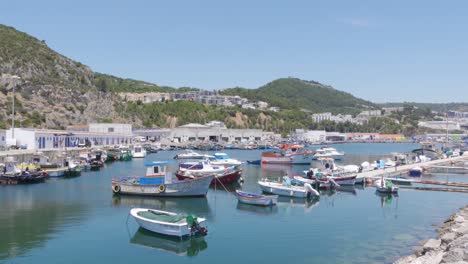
x,y
161,188
116,188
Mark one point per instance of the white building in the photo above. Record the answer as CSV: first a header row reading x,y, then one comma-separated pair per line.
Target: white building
x,y
262,105
311,135
450,125
370,113
248,106
275,108
124,129
213,134
58,139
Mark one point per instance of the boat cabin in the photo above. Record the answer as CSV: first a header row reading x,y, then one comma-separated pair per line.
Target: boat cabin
x,y
9,167
39,159
221,156
156,173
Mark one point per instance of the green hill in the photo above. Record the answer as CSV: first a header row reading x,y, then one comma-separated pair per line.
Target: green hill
x,y
293,93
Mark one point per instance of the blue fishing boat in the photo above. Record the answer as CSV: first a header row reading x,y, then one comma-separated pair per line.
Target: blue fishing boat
x,y
157,182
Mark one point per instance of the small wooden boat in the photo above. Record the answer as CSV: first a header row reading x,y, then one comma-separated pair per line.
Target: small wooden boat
x,y
256,199
254,162
168,223
287,189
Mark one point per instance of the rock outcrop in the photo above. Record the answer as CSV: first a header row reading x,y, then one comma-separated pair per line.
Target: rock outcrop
x,y
450,247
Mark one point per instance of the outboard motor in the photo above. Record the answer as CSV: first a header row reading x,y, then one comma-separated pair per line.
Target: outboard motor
x,y
195,227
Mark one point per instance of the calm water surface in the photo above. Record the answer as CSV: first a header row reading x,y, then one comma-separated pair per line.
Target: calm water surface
x,y
79,220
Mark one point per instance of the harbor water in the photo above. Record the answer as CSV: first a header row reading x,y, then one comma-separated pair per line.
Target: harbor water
x,y
79,220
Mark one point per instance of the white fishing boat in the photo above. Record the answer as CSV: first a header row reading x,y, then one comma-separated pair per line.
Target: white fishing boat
x,y
204,167
138,151
342,175
327,152
323,182
224,159
285,188
256,199
158,182
190,154
168,223
385,186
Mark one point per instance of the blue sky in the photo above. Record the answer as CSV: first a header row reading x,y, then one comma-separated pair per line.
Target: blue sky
x,y
377,50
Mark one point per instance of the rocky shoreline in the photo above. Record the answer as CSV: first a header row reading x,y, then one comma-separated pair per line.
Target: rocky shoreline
x,y
451,246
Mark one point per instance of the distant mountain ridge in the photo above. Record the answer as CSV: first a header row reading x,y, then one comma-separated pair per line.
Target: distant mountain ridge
x,y
54,91
293,93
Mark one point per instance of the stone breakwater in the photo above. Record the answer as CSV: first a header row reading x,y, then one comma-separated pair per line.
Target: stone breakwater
x,y
450,247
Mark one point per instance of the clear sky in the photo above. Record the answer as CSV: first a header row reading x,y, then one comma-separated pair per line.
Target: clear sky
x,y
381,51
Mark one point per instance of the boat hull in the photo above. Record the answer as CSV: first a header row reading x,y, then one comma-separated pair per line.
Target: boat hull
x,y
263,200
349,180
56,172
228,178
169,229
194,187
279,189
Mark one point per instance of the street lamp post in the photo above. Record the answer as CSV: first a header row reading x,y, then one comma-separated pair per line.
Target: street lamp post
x,y
16,78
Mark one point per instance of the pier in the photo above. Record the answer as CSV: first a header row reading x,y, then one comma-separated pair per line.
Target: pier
x,y
391,173
399,170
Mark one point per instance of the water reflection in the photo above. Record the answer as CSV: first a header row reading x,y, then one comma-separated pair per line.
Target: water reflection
x,y
261,210
347,189
389,204
196,205
24,229
183,247
285,203
226,187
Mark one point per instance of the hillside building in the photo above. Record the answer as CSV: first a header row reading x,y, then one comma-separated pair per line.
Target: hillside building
x,y
450,125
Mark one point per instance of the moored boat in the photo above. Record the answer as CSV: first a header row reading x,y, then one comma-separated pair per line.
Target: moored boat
x,y
285,188
224,159
168,223
256,199
327,152
157,182
385,186
138,151
288,154
190,154
226,177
